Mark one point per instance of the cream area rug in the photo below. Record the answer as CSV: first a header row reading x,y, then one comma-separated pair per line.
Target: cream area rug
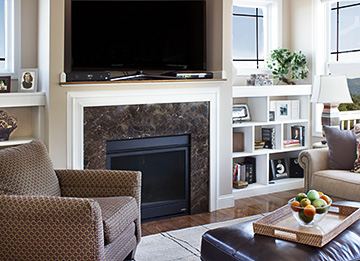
x,y
183,244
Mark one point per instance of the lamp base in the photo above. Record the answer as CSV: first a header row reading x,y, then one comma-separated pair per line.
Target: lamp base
x,y
331,115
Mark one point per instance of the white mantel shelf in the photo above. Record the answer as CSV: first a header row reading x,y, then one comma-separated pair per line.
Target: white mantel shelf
x,y
112,83
22,99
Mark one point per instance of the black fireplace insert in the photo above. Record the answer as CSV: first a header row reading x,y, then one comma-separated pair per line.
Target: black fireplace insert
x,y
164,163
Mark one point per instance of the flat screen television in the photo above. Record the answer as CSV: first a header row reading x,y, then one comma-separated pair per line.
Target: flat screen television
x,y
132,35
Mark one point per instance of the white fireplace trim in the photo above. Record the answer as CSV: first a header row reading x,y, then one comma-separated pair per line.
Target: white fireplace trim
x,y
78,100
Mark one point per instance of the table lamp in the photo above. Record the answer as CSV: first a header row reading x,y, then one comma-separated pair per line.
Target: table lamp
x,y
331,90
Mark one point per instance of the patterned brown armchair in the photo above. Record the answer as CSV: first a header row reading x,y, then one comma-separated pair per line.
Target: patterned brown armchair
x,y
65,214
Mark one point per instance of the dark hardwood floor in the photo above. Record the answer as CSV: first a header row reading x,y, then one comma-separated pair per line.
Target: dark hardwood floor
x,y
243,208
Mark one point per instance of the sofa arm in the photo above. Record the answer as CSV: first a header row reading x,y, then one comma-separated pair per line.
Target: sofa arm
x,y
50,228
313,160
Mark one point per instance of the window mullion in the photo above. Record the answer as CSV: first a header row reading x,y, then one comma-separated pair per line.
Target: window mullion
x,y
337,31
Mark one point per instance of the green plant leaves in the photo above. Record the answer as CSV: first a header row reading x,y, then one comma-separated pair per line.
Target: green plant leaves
x,y
282,62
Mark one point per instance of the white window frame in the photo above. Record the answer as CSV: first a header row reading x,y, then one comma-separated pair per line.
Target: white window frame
x,y
272,11
13,38
321,55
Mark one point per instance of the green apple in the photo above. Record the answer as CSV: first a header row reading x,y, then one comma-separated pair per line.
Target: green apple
x,y
321,204
305,218
300,196
304,202
313,195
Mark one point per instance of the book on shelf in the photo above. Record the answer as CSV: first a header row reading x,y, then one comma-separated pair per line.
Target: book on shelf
x,y
251,162
298,133
239,176
268,136
291,143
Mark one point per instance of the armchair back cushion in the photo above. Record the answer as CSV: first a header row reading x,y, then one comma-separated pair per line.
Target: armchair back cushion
x,y
28,170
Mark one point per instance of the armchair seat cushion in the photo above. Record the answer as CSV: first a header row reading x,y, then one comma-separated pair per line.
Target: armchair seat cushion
x,y
338,183
118,213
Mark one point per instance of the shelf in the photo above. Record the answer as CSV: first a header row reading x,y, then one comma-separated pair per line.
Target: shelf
x,y
266,151
264,123
16,141
102,83
275,90
260,189
22,99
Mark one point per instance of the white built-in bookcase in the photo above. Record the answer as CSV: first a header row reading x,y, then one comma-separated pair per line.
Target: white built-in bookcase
x,y
258,99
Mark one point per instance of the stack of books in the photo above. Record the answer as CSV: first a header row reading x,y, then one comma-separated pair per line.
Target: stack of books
x,y
291,143
268,135
244,173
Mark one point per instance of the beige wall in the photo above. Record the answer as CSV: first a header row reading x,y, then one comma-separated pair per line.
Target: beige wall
x,y
29,34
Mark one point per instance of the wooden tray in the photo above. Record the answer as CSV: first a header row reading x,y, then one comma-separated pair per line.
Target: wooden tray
x,y
282,224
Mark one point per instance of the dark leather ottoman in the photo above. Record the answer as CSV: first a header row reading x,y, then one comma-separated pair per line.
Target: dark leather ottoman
x,y
238,242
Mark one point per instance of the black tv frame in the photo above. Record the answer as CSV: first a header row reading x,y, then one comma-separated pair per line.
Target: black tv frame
x,y
139,73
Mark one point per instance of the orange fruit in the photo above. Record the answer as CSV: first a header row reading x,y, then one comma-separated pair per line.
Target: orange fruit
x,y
309,211
326,198
295,205
320,193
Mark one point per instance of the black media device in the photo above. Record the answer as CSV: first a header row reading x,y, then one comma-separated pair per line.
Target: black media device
x,y
152,36
295,170
191,75
87,76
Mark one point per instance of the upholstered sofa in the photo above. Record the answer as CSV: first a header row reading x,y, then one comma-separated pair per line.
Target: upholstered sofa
x,y
48,214
343,184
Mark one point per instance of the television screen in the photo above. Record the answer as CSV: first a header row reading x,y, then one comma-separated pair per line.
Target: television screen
x,y
123,35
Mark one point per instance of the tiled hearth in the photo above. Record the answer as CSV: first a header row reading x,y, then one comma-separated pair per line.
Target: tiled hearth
x,y
97,116
107,123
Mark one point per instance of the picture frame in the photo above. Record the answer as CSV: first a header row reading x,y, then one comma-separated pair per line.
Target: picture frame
x,y
283,110
278,169
240,113
28,80
5,84
272,116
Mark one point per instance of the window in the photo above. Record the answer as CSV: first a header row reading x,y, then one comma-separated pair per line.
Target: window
x,y
345,31
337,48
10,43
256,29
248,37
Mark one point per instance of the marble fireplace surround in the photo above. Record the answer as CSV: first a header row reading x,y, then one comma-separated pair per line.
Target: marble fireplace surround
x,y
159,98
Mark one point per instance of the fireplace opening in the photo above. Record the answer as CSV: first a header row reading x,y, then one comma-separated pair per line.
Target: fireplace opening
x,y
164,163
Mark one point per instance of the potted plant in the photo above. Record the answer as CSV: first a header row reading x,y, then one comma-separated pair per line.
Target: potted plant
x,y
282,62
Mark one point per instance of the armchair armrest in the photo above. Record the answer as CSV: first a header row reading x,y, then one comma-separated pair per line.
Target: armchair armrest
x,y
313,160
50,228
102,183
99,183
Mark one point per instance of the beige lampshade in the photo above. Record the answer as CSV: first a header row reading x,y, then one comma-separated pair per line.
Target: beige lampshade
x,y
331,89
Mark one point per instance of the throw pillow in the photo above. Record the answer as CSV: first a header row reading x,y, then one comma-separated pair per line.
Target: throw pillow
x,y
342,148
28,170
357,161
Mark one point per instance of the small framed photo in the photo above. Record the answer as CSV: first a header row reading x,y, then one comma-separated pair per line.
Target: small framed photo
x,y
272,116
5,84
28,80
283,110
